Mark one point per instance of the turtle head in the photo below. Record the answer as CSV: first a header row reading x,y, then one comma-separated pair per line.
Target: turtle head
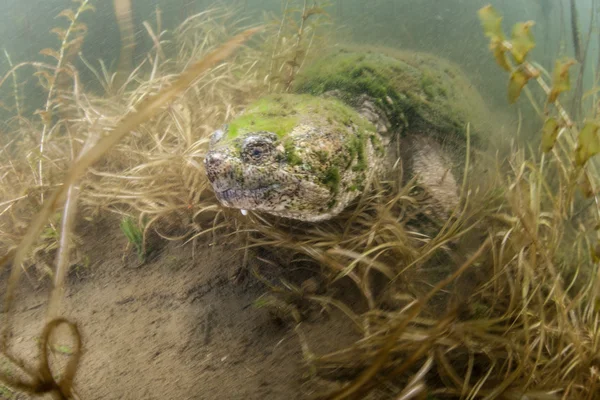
x,y
287,156
256,172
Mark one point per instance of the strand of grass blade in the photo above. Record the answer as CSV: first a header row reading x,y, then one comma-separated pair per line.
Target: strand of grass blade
x,y
15,86
127,34
62,259
10,73
149,108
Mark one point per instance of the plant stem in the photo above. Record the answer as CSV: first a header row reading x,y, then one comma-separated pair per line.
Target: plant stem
x,y
575,32
272,68
579,56
298,40
15,86
46,121
124,19
62,260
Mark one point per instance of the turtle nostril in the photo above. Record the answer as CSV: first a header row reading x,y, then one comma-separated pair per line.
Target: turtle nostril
x,y
213,162
213,159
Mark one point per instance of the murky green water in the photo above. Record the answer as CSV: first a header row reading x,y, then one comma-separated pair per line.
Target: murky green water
x,y
449,28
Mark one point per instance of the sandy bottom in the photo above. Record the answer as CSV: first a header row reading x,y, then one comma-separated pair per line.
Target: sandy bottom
x,y
181,326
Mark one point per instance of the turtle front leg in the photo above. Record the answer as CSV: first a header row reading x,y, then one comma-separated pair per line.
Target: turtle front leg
x,y
426,159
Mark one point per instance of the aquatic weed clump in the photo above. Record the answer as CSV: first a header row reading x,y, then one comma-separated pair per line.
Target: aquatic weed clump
x,y
83,120
159,176
37,147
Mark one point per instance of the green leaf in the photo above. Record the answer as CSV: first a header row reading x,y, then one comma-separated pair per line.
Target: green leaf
x,y
87,7
491,22
596,258
522,40
51,53
518,79
60,32
134,233
588,143
500,56
560,78
79,27
585,185
68,14
549,134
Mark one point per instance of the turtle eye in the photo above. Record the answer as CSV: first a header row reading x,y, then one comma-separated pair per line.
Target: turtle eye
x,y
257,150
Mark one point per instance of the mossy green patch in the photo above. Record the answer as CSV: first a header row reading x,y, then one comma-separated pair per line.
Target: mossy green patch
x,y
413,89
357,149
322,156
332,179
377,145
428,85
280,114
354,74
268,115
291,155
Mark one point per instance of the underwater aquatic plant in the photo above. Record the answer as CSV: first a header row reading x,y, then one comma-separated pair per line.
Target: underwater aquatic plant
x,y
124,18
289,47
521,44
134,234
71,40
41,379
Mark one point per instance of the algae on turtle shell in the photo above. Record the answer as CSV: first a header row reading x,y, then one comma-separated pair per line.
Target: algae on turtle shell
x,y
416,90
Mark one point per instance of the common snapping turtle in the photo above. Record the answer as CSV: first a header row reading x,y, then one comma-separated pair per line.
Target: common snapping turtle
x,y
308,154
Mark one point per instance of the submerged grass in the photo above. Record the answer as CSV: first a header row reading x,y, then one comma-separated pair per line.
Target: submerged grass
x,y
500,301
134,234
79,114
